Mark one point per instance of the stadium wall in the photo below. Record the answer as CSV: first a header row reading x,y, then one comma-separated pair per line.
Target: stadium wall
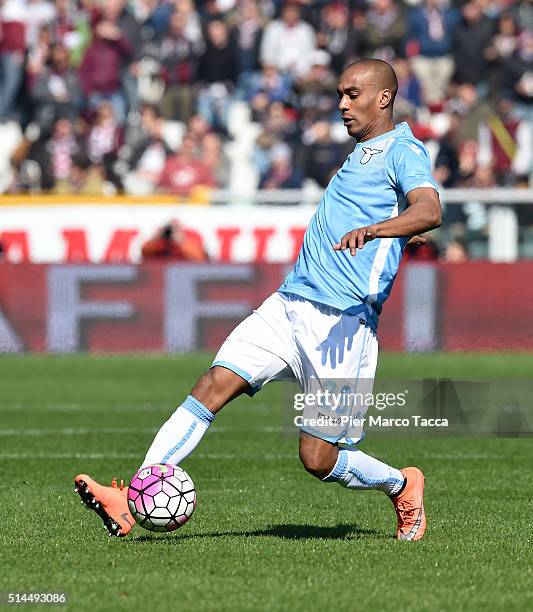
x,y
117,308
61,229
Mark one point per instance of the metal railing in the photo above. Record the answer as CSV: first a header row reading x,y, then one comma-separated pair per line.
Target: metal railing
x,y
495,195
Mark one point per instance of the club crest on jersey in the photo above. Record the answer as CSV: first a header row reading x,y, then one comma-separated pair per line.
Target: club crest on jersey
x,y
368,153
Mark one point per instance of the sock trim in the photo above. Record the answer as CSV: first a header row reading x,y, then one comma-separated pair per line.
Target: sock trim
x,y
196,408
401,489
372,482
339,470
175,448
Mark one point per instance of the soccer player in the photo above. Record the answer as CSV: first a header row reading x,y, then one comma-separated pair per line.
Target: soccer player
x,y
382,196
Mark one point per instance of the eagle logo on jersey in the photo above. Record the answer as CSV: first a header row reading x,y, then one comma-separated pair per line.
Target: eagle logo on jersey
x,y
368,152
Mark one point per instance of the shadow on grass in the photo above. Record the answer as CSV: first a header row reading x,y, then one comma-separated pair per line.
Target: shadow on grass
x,y
287,532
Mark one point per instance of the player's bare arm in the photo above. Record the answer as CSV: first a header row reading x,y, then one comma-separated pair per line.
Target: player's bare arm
x,y
422,214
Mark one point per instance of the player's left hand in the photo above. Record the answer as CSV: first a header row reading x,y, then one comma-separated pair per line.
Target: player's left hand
x,y
355,239
417,240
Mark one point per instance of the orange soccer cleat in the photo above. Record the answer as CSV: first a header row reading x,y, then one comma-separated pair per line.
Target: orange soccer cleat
x,y
409,506
110,503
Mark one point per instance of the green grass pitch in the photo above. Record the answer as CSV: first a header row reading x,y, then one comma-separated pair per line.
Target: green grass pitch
x,y
265,535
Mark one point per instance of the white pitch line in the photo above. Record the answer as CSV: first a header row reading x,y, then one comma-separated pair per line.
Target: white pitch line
x,y
78,431
76,407
26,456
460,456
109,456
22,408
75,431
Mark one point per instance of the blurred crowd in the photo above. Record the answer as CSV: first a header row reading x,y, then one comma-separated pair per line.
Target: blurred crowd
x,y
172,96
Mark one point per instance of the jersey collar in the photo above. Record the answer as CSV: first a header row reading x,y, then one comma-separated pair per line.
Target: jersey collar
x,y
401,127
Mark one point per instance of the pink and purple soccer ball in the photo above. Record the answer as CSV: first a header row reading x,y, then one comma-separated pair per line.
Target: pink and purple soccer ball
x,y
161,497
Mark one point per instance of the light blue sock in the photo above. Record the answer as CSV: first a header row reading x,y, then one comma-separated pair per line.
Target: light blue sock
x,y
356,470
179,436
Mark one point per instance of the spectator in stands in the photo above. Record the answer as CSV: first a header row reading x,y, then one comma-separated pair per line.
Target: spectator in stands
x,y
197,128
50,159
13,17
55,88
146,153
39,13
71,29
314,90
117,12
63,145
105,135
38,52
261,153
429,44
522,12
102,66
321,156
409,90
421,248
37,58
503,44
333,34
471,38
456,251
173,242
356,35
467,162
104,140
183,172
213,156
160,18
149,124
384,31
218,74
288,42
462,170
472,110
474,209
84,178
265,87
179,57
447,161
280,122
518,70
282,173
249,32
11,138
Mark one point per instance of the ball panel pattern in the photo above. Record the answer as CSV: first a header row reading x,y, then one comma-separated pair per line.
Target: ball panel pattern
x,y
161,497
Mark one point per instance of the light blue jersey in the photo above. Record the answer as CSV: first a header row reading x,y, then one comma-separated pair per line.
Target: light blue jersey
x,y
370,187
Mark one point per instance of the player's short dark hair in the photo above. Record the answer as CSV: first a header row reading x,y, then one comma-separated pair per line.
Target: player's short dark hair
x,y
387,76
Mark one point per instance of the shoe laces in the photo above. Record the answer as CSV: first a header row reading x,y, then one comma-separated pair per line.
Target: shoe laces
x,y
116,485
406,510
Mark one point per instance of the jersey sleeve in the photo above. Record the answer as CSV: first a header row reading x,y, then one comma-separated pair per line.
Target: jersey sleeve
x,y
409,167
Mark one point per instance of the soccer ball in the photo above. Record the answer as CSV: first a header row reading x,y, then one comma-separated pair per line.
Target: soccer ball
x,y
161,497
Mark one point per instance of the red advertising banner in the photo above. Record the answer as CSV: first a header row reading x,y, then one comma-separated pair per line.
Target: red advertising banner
x,y
183,307
114,233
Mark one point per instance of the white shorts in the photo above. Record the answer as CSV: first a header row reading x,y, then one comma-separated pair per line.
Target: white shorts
x,y
291,338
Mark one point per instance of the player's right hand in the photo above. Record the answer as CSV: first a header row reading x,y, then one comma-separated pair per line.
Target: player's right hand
x,y
355,239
